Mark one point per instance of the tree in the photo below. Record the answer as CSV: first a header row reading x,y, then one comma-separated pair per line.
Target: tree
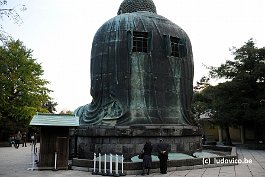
x,y
201,103
11,13
244,90
22,90
240,100
66,112
50,106
225,109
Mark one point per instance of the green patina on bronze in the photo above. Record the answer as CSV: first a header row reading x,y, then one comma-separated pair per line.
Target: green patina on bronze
x,y
139,87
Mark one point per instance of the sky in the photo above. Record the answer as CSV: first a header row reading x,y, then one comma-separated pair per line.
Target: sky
x,y
60,33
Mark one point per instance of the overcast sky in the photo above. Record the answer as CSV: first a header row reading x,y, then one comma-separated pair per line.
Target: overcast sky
x,y
60,32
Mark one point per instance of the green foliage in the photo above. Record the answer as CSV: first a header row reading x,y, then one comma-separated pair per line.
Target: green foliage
x,y
201,101
202,84
67,112
247,79
50,106
239,100
245,85
23,91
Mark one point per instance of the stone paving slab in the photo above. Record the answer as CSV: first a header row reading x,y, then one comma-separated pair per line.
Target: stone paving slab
x,y
15,162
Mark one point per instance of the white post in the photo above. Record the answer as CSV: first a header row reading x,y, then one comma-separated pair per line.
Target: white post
x,y
110,165
55,161
117,166
99,164
105,164
32,159
95,159
31,145
122,163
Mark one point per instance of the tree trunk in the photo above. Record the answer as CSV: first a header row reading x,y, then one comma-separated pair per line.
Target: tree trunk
x,y
256,132
242,134
220,134
228,138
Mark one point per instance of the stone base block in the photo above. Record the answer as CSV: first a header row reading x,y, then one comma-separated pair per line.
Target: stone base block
x,y
130,140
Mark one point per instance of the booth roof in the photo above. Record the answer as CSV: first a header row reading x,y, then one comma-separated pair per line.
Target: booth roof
x,y
55,120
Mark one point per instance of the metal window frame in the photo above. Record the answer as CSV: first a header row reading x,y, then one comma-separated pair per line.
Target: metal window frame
x,y
140,41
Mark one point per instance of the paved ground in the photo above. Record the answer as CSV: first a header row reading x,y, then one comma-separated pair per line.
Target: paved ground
x,y
15,162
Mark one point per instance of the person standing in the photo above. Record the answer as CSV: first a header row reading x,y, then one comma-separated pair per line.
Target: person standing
x,y
32,138
24,139
147,159
11,140
33,141
17,139
162,149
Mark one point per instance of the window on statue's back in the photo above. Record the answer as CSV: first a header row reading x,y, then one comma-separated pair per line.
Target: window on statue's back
x,y
174,41
140,41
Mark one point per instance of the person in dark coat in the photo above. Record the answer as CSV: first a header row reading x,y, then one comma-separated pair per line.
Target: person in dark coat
x,y
24,139
162,149
147,159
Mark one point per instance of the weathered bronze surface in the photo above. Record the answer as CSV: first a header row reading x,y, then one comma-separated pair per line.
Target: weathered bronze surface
x,y
130,87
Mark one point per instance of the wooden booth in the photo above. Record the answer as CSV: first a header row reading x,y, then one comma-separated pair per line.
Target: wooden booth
x,y
54,139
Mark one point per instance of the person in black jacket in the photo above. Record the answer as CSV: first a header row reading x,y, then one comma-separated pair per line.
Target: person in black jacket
x,y
162,149
147,159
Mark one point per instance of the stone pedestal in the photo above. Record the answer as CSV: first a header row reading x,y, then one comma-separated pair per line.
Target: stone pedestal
x,y
130,140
